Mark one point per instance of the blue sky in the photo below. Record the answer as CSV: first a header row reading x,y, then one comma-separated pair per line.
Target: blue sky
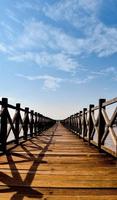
x,y
58,56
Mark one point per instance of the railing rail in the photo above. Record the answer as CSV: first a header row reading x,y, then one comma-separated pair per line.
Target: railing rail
x,y
28,122
96,129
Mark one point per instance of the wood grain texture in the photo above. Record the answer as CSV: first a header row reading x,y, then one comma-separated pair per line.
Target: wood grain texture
x,y
57,165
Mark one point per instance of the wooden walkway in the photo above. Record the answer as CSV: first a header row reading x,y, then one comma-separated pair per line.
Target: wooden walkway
x,y
57,165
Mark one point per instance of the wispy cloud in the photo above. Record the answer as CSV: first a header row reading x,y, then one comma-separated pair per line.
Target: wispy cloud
x,y
40,37
103,41
28,5
46,46
7,30
52,83
59,61
51,46
83,80
109,72
13,16
7,27
104,72
82,14
3,48
76,12
49,82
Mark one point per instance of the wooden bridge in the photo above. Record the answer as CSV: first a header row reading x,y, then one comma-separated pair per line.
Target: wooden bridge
x,y
52,160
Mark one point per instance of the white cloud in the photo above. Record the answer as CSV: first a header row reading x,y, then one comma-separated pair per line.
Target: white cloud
x,y
76,12
62,9
39,37
7,30
53,82
103,41
50,46
105,72
44,59
83,80
13,16
28,5
50,82
90,5
7,49
3,48
111,72
46,46
99,38
7,27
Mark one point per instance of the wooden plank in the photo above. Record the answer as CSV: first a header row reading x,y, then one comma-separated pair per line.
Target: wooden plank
x,y
55,193
57,165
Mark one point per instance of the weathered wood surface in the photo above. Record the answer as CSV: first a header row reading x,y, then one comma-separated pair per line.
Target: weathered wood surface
x,y
57,165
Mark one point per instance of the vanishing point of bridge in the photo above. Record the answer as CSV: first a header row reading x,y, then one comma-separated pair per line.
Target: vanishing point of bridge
x,y
74,159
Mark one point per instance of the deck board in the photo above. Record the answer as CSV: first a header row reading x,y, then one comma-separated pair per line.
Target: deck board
x,y
57,165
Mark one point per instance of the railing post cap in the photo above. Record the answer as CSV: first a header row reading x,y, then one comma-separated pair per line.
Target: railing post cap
x,y
84,109
32,111
26,109
4,100
101,101
91,106
17,105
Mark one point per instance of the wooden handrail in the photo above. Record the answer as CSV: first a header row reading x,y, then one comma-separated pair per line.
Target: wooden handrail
x,y
31,123
89,127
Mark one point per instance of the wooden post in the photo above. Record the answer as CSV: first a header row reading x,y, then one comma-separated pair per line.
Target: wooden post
x,y
3,133
38,122
84,123
77,124
101,123
70,122
26,122
31,123
44,124
90,122
41,122
80,123
17,123
35,124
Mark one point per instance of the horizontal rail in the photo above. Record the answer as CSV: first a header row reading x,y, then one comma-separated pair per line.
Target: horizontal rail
x,y
109,102
95,125
21,123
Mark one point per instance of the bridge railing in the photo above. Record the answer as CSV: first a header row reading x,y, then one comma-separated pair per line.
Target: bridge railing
x,y
17,123
97,125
